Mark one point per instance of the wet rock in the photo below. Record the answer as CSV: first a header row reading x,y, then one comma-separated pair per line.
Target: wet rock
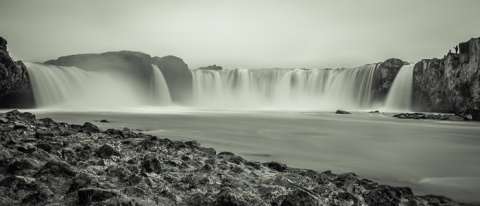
x,y
376,111
38,198
22,167
299,198
45,146
89,127
58,169
91,195
342,112
27,150
17,183
81,181
104,121
44,134
386,195
151,165
107,151
277,166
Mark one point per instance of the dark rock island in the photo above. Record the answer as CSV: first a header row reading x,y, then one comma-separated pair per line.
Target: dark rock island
x,y
43,162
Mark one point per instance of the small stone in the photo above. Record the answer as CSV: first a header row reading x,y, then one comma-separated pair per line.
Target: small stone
x,y
90,195
56,169
107,151
104,121
35,198
45,146
44,134
89,127
151,165
277,166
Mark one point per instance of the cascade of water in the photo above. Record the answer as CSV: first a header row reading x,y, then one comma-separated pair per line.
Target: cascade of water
x,y
399,97
285,88
71,86
161,94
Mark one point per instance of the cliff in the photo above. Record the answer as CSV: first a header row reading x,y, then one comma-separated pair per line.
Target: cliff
x,y
385,73
450,84
178,76
15,87
43,162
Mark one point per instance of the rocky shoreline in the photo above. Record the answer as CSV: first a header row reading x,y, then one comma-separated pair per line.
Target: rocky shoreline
x,y
43,162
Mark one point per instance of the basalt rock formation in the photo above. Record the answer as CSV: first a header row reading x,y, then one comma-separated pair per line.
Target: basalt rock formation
x,y
43,162
212,67
15,87
450,84
385,73
178,76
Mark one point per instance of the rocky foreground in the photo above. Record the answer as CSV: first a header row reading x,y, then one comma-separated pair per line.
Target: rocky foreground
x,y
43,162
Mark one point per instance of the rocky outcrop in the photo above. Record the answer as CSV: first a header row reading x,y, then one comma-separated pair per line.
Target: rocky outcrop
x,y
385,73
212,67
73,165
450,84
15,87
178,76
450,117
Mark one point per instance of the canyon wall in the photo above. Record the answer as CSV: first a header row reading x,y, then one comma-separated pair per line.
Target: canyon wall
x,y
15,89
450,84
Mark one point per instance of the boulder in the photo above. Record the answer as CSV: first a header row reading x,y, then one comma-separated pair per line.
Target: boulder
x,y
342,112
58,169
300,197
91,195
107,151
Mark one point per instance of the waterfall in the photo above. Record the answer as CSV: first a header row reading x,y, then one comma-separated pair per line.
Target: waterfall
x,y
55,86
348,88
399,97
161,94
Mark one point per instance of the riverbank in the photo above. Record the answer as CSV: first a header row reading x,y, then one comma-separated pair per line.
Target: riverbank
x,y
45,162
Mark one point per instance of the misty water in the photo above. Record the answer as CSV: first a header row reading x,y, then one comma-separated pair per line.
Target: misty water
x,y
431,157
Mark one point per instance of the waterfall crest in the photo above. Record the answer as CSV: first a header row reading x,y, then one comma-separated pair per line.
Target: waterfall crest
x,y
161,94
285,88
399,97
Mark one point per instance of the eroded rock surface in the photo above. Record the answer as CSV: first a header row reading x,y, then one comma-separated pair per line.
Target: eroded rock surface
x,y
15,88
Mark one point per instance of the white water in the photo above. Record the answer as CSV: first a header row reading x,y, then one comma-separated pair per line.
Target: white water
x,y
399,97
161,94
59,86
348,88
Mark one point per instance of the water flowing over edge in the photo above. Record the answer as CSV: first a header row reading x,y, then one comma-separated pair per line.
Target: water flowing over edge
x,y
322,89
399,97
61,86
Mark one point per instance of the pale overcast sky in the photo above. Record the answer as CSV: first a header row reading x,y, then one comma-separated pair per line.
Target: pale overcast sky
x,y
241,33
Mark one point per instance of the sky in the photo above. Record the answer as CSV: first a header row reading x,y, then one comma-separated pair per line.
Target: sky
x,y
241,33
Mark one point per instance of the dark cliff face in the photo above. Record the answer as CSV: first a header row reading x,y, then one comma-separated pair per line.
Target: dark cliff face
x,y
450,84
385,73
178,77
15,87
